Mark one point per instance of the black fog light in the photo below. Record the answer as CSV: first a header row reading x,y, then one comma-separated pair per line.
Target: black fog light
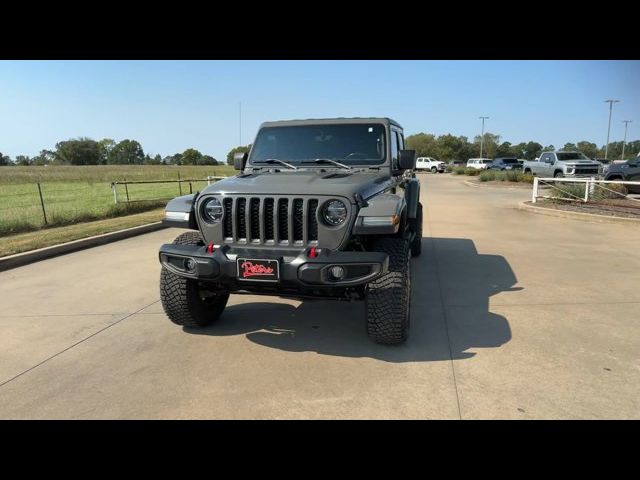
x,y
337,272
189,264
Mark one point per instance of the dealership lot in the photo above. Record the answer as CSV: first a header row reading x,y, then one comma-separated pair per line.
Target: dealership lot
x,y
514,315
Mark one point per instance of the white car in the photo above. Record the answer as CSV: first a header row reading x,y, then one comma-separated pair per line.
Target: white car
x,y
479,163
428,163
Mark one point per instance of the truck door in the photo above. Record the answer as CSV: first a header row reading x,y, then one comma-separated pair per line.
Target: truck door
x,y
545,167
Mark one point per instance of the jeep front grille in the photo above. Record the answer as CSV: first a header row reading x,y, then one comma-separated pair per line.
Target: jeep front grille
x,y
270,220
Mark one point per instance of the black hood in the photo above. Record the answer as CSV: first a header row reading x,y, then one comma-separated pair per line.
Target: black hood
x,y
303,183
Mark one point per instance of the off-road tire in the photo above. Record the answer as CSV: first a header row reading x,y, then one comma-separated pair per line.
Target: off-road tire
x,y
557,174
388,298
434,170
416,245
186,301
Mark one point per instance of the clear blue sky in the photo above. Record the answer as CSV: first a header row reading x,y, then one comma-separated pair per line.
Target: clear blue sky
x,y
171,105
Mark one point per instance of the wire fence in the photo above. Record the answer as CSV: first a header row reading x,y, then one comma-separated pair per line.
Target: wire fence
x,y
25,207
609,196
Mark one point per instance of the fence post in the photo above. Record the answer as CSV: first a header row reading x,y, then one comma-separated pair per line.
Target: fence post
x,y
114,187
126,189
179,184
586,191
534,195
190,188
44,213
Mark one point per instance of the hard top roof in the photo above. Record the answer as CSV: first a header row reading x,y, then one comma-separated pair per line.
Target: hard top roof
x,y
316,121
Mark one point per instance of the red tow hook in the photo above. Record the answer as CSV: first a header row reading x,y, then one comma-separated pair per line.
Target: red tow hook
x,y
210,248
312,252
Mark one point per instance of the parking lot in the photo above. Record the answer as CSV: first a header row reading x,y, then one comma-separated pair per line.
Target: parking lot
x,y
514,315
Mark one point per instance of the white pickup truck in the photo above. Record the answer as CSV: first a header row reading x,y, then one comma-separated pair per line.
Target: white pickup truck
x,y
563,164
428,163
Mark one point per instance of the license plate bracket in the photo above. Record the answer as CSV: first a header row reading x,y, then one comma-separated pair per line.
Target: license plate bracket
x,y
258,269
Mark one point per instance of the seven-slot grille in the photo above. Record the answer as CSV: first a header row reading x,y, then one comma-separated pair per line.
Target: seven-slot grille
x,y
270,220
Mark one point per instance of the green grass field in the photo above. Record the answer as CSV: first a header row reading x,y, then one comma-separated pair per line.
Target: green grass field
x,y
84,193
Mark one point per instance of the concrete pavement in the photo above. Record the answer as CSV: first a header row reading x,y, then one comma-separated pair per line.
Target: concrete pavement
x,y
514,315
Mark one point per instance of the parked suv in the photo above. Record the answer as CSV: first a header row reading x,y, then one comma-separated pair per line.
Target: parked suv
x,y
563,164
628,172
503,163
479,163
431,164
321,209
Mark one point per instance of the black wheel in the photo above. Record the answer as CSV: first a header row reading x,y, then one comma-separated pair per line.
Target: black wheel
x,y
189,302
557,174
388,298
434,170
416,245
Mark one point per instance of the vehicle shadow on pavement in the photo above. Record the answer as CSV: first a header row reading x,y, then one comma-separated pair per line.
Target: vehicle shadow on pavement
x,y
450,271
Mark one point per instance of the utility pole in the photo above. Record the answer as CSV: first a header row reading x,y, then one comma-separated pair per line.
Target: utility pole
x,y
482,136
240,123
624,143
610,102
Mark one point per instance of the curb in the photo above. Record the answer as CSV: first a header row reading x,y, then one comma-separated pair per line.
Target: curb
x,y
479,185
24,258
589,217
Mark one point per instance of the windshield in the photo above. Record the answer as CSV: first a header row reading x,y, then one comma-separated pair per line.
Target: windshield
x,y
571,156
487,161
509,160
351,144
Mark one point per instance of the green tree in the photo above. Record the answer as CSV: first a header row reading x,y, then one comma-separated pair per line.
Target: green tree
x,y
105,146
191,156
570,147
127,152
489,146
549,148
5,160
532,150
235,150
81,151
423,143
505,149
208,160
45,157
588,148
23,160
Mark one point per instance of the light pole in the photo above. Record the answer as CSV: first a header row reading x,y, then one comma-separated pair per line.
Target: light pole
x,y
606,149
624,143
482,136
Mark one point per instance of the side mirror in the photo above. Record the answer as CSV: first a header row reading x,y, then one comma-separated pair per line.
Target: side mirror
x,y
407,159
239,160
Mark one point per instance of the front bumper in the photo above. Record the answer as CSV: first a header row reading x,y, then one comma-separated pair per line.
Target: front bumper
x,y
296,268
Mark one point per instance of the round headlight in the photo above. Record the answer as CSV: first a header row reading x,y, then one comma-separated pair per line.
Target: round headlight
x,y
334,213
212,210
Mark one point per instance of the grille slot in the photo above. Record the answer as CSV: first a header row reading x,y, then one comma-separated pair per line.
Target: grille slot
x,y
241,218
228,218
312,220
268,219
298,224
255,219
283,220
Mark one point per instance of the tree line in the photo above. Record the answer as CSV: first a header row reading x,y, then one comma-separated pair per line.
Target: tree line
x,y
449,147
85,151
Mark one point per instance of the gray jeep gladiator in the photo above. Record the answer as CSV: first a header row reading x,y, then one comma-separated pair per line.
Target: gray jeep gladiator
x,y
321,209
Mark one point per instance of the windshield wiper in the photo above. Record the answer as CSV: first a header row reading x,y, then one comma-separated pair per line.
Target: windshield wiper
x,y
327,160
275,160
